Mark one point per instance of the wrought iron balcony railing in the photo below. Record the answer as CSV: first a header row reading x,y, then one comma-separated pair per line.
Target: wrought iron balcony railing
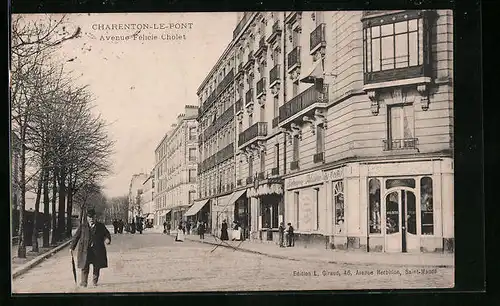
x,y
225,153
259,129
317,37
303,100
274,75
250,60
400,144
227,116
275,32
262,46
293,58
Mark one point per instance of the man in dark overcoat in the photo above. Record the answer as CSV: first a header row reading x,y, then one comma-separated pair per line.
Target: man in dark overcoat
x,y
90,237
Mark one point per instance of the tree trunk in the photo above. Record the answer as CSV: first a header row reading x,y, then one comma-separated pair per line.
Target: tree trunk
x,y
21,250
61,224
69,221
46,209
34,237
54,197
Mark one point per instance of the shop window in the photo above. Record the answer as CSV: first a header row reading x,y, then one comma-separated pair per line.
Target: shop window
x,y
338,197
426,206
374,199
392,213
411,212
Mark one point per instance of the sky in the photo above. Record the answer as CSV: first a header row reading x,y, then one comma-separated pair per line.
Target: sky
x,y
140,86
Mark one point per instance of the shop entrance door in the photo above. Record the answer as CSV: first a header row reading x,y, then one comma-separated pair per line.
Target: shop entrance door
x,y
401,222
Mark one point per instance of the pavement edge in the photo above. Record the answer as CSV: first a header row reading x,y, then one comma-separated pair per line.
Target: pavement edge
x,y
35,261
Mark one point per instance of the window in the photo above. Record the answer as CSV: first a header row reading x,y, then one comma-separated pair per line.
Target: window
x,y
277,156
295,88
374,202
316,202
320,139
262,114
192,133
192,175
250,120
401,127
426,206
297,207
240,127
262,162
192,154
276,107
318,16
338,197
250,166
295,38
394,42
276,56
191,196
295,152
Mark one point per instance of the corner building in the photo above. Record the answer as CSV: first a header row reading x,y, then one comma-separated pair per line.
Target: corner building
x,y
344,128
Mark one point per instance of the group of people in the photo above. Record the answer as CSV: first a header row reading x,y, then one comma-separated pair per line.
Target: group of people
x,y
286,233
138,226
118,226
236,233
184,228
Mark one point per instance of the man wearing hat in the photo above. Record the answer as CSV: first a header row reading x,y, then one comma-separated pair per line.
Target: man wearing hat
x,y
91,236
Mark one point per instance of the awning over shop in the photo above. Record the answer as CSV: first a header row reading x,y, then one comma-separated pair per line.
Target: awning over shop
x,y
235,196
197,206
165,213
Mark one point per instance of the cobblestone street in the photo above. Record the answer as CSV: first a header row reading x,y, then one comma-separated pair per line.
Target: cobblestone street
x,y
153,262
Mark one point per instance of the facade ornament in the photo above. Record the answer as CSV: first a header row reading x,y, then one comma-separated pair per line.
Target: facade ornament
x,y
296,130
320,117
275,89
424,96
311,122
262,99
261,145
250,108
373,96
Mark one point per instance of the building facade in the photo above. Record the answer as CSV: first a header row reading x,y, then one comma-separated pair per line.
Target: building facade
x,y
176,169
134,195
147,196
343,128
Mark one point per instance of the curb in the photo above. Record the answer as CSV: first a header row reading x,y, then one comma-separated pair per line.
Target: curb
x,y
35,261
316,260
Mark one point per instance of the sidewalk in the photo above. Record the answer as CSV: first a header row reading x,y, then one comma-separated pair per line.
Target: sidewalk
x,y
333,256
21,265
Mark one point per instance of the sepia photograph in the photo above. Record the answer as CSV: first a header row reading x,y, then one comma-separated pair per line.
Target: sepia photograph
x,y
232,151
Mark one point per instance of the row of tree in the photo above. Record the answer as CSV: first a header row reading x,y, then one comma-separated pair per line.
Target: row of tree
x,y
61,142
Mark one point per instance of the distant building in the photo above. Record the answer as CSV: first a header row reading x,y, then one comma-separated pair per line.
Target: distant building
x,y
134,195
176,168
147,203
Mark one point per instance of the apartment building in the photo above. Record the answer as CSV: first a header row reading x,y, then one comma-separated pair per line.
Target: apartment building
x,y
134,196
146,199
343,128
176,168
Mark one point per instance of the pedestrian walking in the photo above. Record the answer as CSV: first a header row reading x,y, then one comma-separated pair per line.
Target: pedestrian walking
x,y
201,230
169,226
188,228
165,227
90,237
290,235
223,232
282,235
121,224
180,234
132,227
115,226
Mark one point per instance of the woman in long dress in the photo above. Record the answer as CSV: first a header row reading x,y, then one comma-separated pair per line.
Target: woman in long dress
x,y
180,233
236,232
223,232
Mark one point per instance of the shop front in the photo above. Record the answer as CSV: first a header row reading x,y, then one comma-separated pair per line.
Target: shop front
x,y
267,198
410,206
220,211
199,212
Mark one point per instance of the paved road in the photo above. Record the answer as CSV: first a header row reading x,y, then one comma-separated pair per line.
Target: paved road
x,y
153,262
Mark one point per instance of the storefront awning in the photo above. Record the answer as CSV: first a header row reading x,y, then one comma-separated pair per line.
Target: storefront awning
x,y
165,213
235,196
197,206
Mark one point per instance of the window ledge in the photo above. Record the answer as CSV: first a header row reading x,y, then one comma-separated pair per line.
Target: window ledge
x,y
405,82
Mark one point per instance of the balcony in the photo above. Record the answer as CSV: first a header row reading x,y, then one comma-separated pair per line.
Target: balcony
x,y
250,61
239,106
249,180
226,117
306,103
239,70
293,17
262,47
275,33
293,59
249,97
400,144
225,154
294,165
258,131
261,88
241,24
317,39
319,157
226,81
